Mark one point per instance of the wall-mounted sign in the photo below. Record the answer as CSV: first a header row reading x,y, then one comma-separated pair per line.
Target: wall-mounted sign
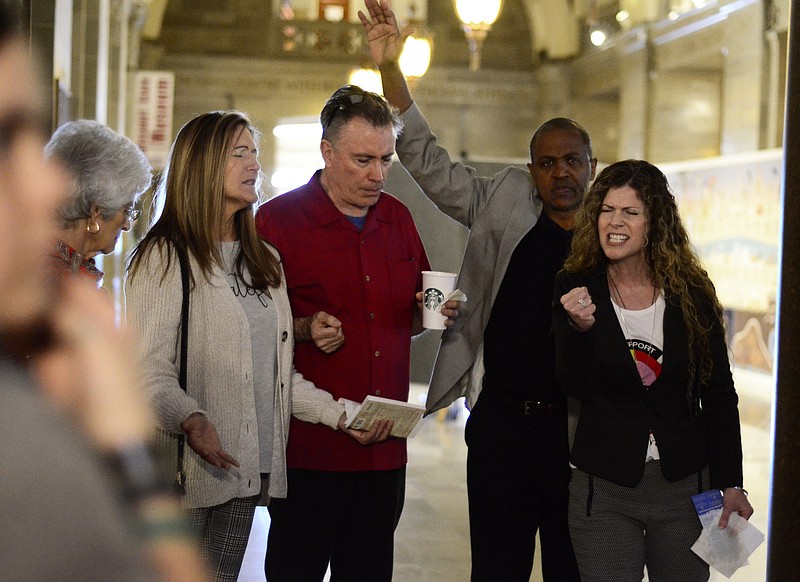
x,y
150,124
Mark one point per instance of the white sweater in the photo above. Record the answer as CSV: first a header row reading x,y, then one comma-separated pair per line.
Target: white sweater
x,y
219,374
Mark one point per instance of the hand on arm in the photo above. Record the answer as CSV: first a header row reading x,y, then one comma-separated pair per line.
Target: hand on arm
x,y
379,432
386,42
579,307
321,328
734,500
202,436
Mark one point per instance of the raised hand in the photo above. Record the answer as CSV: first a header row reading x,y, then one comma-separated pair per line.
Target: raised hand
x,y
385,38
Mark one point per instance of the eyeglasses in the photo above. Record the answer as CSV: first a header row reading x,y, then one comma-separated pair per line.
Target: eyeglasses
x,y
345,97
132,213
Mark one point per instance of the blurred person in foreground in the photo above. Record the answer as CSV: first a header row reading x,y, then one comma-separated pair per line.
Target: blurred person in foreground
x,y
76,402
354,263
241,386
660,426
499,355
109,173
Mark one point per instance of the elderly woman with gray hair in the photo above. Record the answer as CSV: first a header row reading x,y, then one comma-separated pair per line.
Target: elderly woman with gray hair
x,y
110,172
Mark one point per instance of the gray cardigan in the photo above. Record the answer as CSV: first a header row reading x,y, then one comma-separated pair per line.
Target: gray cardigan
x,y
498,211
219,374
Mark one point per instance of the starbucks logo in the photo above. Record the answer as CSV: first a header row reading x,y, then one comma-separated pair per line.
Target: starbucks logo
x,y
433,299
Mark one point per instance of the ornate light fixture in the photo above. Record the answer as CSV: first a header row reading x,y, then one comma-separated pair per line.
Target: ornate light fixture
x,y
477,18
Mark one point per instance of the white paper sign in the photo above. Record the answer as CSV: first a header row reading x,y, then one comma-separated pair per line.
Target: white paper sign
x,y
150,124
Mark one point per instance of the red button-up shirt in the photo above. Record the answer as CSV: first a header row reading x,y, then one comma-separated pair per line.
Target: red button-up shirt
x,y
367,280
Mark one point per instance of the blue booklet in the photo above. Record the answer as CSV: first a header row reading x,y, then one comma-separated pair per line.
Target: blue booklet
x,y
708,505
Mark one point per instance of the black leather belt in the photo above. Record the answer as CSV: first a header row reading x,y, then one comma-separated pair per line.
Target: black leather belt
x,y
526,407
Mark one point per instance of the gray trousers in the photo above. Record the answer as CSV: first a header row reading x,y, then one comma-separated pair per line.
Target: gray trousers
x,y
616,531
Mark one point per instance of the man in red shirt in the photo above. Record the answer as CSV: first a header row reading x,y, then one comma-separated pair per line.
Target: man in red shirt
x,y
353,261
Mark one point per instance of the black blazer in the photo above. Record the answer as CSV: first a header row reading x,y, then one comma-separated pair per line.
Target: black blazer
x,y
618,412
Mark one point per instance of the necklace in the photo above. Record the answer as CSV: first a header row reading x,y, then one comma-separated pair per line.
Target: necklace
x,y
619,295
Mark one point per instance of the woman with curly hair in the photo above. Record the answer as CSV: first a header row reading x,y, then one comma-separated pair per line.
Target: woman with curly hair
x,y
661,426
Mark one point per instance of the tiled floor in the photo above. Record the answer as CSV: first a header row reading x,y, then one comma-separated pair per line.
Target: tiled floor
x,y
432,540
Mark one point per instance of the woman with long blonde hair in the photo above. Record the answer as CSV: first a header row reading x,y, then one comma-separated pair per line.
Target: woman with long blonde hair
x,y
241,386
656,428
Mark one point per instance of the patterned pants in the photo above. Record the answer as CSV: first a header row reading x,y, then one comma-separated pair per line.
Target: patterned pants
x,y
627,528
223,531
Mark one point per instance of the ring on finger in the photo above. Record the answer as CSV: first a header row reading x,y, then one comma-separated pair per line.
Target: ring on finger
x,y
582,302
